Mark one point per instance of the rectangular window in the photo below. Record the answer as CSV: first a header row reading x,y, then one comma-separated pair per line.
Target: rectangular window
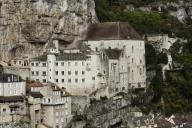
x,y
76,80
56,80
69,72
37,73
83,80
83,72
32,64
69,80
62,72
44,80
62,63
44,73
82,63
32,73
62,80
44,64
132,49
76,72
37,64
56,63
56,72
93,78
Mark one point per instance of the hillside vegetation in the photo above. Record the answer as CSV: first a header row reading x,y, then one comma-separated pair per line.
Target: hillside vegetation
x,y
175,94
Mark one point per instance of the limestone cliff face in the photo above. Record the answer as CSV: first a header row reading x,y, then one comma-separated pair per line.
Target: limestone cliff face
x,y
27,25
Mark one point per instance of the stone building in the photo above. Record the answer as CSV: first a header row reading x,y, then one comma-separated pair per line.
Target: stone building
x,y
12,98
34,107
68,68
20,62
55,105
121,52
112,54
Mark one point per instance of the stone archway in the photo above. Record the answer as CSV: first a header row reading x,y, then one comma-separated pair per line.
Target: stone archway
x,y
17,51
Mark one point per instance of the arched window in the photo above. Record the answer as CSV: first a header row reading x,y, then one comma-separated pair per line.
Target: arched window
x,y
140,71
49,100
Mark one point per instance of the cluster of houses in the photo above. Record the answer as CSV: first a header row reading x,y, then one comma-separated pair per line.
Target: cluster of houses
x,y
41,103
111,55
111,58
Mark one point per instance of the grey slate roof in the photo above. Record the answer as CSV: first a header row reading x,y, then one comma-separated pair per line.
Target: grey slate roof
x,y
112,31
36,94
64,57
40,58
5,77
113,53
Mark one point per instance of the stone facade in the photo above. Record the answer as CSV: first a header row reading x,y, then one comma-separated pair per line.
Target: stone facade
x,y
116,62
12,98
55,106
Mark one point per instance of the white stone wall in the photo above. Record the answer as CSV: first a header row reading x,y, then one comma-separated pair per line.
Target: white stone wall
x,y
82,77
78,77
12,89
133,62
37,69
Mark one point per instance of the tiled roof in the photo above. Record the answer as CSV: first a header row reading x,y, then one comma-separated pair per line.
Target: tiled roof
x,y
63,56
11,98
34,84
112,31
5,77
162,123
113,53
72,56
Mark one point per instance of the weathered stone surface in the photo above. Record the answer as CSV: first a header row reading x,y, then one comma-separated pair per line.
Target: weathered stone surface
x,y
26,25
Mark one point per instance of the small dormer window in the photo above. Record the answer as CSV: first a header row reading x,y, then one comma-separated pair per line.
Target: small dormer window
x,y
152,121
147,122
138,123
4,109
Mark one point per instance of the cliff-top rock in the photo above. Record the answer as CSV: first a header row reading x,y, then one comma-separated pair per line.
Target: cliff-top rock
x,y
27,25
